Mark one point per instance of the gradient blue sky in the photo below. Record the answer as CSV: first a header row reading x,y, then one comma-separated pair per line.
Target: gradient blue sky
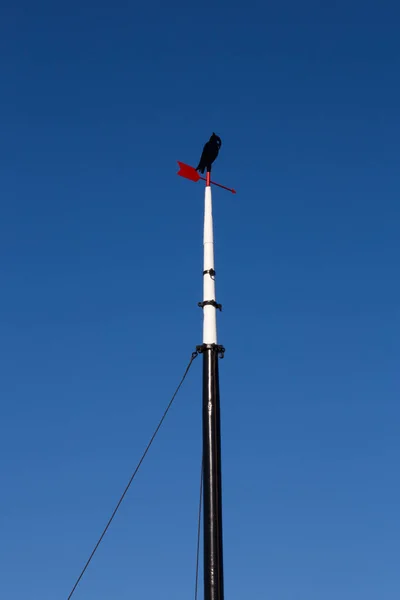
x,y
101,261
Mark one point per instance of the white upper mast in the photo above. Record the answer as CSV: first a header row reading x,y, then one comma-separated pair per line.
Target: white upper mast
x,y
209,310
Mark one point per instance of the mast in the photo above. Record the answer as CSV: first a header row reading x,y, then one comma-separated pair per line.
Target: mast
x,y
212,494
212,486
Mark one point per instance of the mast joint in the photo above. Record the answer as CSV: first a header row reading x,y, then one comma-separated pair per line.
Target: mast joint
x,y
210,303
217,347
211,273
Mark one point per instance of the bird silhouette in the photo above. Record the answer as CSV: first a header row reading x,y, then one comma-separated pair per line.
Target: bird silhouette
x,y
209,154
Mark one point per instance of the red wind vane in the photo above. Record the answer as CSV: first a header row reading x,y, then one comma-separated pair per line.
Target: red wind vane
x,y
190,173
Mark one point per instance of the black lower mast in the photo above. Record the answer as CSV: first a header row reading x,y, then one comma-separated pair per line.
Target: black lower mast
x,y
213,547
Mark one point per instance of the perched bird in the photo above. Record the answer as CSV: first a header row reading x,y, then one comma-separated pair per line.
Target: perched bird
x,y
209,154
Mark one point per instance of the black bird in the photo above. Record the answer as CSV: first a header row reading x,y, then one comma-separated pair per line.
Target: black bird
x,y
209,154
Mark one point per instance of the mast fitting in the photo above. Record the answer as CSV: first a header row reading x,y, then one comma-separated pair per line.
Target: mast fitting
x,y
211,303
220,349
210,271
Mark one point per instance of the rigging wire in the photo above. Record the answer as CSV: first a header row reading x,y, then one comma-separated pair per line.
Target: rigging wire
x,y
196,587
194,354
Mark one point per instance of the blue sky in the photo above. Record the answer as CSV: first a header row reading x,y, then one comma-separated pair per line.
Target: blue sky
x,y
101,261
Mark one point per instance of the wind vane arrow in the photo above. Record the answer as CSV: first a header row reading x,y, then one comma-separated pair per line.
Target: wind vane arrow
x,y
189,172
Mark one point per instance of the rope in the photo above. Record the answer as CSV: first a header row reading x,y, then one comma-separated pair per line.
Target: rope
x,y
196,588
194,354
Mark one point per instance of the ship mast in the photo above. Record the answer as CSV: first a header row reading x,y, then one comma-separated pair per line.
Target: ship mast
x,y
212,487
212,352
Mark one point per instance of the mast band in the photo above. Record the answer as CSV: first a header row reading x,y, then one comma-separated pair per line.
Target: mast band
x,y
217,347
210,271
210,303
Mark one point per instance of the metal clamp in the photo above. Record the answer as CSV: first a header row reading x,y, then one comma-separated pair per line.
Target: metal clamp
x,y
217,347
210,303
211,273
